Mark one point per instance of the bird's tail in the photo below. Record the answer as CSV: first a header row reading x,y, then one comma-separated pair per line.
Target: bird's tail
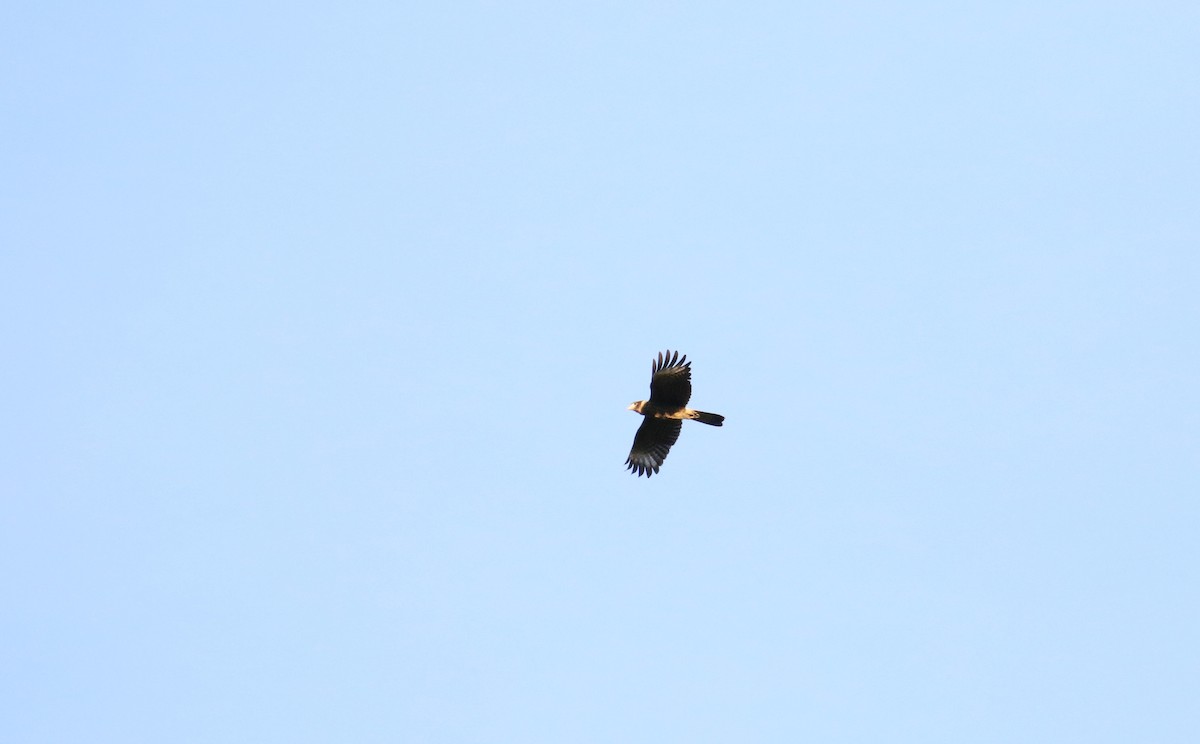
x,y
712,419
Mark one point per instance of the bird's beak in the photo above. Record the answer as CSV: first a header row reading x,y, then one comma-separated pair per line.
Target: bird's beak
x,y
632,406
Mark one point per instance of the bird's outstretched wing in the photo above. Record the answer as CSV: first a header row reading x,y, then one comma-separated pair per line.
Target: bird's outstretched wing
x,y
651,444
671,381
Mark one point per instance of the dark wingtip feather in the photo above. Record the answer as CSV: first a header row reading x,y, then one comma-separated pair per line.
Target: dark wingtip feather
x,y
668,359
639,469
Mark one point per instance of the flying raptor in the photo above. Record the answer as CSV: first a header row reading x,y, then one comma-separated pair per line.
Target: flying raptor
x,y
670,390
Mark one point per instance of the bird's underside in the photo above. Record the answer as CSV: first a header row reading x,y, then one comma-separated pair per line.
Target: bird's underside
x,y
664,412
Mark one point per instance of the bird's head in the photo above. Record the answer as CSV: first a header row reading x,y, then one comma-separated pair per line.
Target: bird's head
x,y
636,406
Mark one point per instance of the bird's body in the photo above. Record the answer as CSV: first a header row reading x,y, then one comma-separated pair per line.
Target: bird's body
x,y
670,391
648,408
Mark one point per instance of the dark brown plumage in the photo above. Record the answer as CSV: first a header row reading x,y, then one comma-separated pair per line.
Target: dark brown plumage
x,y
670,390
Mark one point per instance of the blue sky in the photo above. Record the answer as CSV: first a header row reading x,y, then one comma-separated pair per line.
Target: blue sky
x,y
321,321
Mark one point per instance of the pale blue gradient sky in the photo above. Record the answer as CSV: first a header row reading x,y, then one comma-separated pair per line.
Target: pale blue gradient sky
x,y
321,320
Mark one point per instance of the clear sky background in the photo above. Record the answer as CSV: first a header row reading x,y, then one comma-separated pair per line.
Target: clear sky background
x,y
320,321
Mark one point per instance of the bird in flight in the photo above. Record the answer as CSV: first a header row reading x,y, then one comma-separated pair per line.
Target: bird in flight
x,y
670,390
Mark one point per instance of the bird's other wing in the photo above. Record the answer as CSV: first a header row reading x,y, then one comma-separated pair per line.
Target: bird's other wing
x,y
651,444
671,382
